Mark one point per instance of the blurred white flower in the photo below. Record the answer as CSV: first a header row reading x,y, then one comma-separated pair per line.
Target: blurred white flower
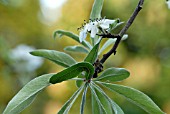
x,y
168,3
23,60
93,28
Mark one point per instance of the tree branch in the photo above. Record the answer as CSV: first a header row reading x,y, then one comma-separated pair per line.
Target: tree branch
x,y
119,37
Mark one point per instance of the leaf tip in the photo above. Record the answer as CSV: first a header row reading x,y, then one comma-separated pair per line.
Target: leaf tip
x,y
32,52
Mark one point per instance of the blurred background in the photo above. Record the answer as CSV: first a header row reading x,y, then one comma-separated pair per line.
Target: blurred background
x,y
26,25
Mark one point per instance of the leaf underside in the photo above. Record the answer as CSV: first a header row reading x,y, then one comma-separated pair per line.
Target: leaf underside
x,y
59,58
27,94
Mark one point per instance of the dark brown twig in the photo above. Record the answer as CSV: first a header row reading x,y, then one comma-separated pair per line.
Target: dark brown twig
x,y
119,36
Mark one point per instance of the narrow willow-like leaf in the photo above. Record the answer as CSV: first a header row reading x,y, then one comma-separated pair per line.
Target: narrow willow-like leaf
x,y
106,44
78,49
115,107
96,13
104,101
102,109
59,58
73,36
66,107
92,56
83,101
95,106
96,9
110,42
72,72
27,94
135,96
113,75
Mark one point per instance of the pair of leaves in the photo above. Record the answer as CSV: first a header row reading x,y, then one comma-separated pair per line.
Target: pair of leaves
x,y
135,96
66,107
108,104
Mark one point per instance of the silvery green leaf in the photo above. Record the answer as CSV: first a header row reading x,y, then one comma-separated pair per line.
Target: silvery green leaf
x,y
115,107
27,94
136,97
78,49
66,107
106,45
59,58
95,106
83,99
96,9
102,109
104,100
110,42
96,13
72,36
113,75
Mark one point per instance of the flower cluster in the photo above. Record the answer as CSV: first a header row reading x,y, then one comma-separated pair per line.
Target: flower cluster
x,y
93,27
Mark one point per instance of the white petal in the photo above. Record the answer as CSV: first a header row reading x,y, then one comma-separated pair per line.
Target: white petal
x,y
108,21
86,27
104,26
82,35
105,23
94,31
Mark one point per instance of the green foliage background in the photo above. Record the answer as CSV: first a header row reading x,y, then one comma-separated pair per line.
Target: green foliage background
x,y
146,53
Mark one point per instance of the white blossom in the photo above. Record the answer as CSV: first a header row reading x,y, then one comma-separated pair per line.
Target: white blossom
x,y
104,23
93,28
168,3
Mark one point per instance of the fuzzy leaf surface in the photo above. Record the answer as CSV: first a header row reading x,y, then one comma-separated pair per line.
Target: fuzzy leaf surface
x,y
113,75
110,42
66,107
73,36
96,9
59,58
27,94
78,49
135,96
